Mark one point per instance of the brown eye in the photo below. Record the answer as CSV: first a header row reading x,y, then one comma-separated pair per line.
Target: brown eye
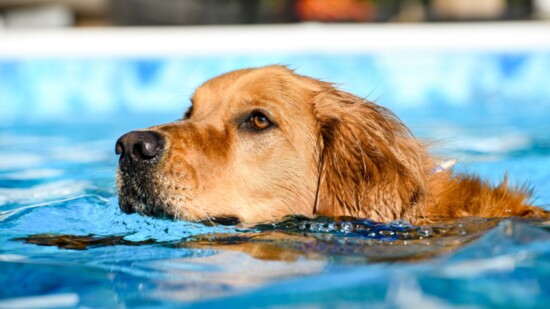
x,y
259,121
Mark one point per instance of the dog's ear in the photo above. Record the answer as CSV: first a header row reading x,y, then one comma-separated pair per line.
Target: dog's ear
x,y
370,165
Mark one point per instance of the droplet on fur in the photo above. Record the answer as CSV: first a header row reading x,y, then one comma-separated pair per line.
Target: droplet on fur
x,y
386,233
400,224
461,230
326,228
359,228
314,227
346,228
406,235
425,231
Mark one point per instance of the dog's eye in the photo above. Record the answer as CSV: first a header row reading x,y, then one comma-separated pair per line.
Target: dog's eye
x,y
259,121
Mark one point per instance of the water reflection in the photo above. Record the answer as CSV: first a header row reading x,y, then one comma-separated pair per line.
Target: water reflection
x,y
294,238
242,260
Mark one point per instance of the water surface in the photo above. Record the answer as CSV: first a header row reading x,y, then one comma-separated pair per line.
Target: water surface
x,y
63,240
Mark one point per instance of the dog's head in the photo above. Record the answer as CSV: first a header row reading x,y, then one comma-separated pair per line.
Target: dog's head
x,y
259,144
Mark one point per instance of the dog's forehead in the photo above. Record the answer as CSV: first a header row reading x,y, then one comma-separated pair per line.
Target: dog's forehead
x,y
239,88
238,81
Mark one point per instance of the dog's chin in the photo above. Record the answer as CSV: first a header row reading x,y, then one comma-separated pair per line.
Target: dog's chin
x,y
144,206
130,205
137,196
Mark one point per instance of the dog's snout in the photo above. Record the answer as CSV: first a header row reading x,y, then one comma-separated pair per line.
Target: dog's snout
x,y
137,147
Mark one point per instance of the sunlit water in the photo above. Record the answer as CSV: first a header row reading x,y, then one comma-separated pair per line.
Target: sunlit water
x,y
65,243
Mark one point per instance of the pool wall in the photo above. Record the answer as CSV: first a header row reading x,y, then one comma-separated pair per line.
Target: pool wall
x,y
492,69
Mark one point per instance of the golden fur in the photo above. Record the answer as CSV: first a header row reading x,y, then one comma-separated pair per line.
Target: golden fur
x,y
327,152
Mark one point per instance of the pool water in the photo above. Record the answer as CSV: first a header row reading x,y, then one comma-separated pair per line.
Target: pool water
x,y
57,182
65,243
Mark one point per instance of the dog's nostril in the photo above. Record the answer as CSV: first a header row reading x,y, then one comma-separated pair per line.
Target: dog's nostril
x,y
118,148
148,147
136,147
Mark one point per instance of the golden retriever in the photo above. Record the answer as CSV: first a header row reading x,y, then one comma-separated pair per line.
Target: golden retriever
x,y
259,144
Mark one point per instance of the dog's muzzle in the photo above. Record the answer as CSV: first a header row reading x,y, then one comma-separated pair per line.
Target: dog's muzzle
x,y
140,152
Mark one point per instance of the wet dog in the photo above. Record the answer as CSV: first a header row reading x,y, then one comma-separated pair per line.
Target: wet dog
x,y
259,144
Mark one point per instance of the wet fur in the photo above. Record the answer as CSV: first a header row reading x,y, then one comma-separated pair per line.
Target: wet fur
x,y
332,154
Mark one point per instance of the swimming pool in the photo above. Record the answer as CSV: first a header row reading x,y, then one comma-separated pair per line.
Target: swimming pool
x,y
61,115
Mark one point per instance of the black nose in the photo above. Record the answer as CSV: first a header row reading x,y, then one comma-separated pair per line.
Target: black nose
x,y
137,147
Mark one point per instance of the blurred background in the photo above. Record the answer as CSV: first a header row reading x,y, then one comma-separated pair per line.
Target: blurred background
x,y
88,13
93,58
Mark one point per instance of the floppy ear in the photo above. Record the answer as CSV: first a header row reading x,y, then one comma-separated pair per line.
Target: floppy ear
x,y
370,165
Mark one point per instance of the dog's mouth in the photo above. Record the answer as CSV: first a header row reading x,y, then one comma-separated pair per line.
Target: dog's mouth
x,y
142,193
222,220
136,194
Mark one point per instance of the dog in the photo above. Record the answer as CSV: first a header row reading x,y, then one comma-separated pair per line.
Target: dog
x,y
259,144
